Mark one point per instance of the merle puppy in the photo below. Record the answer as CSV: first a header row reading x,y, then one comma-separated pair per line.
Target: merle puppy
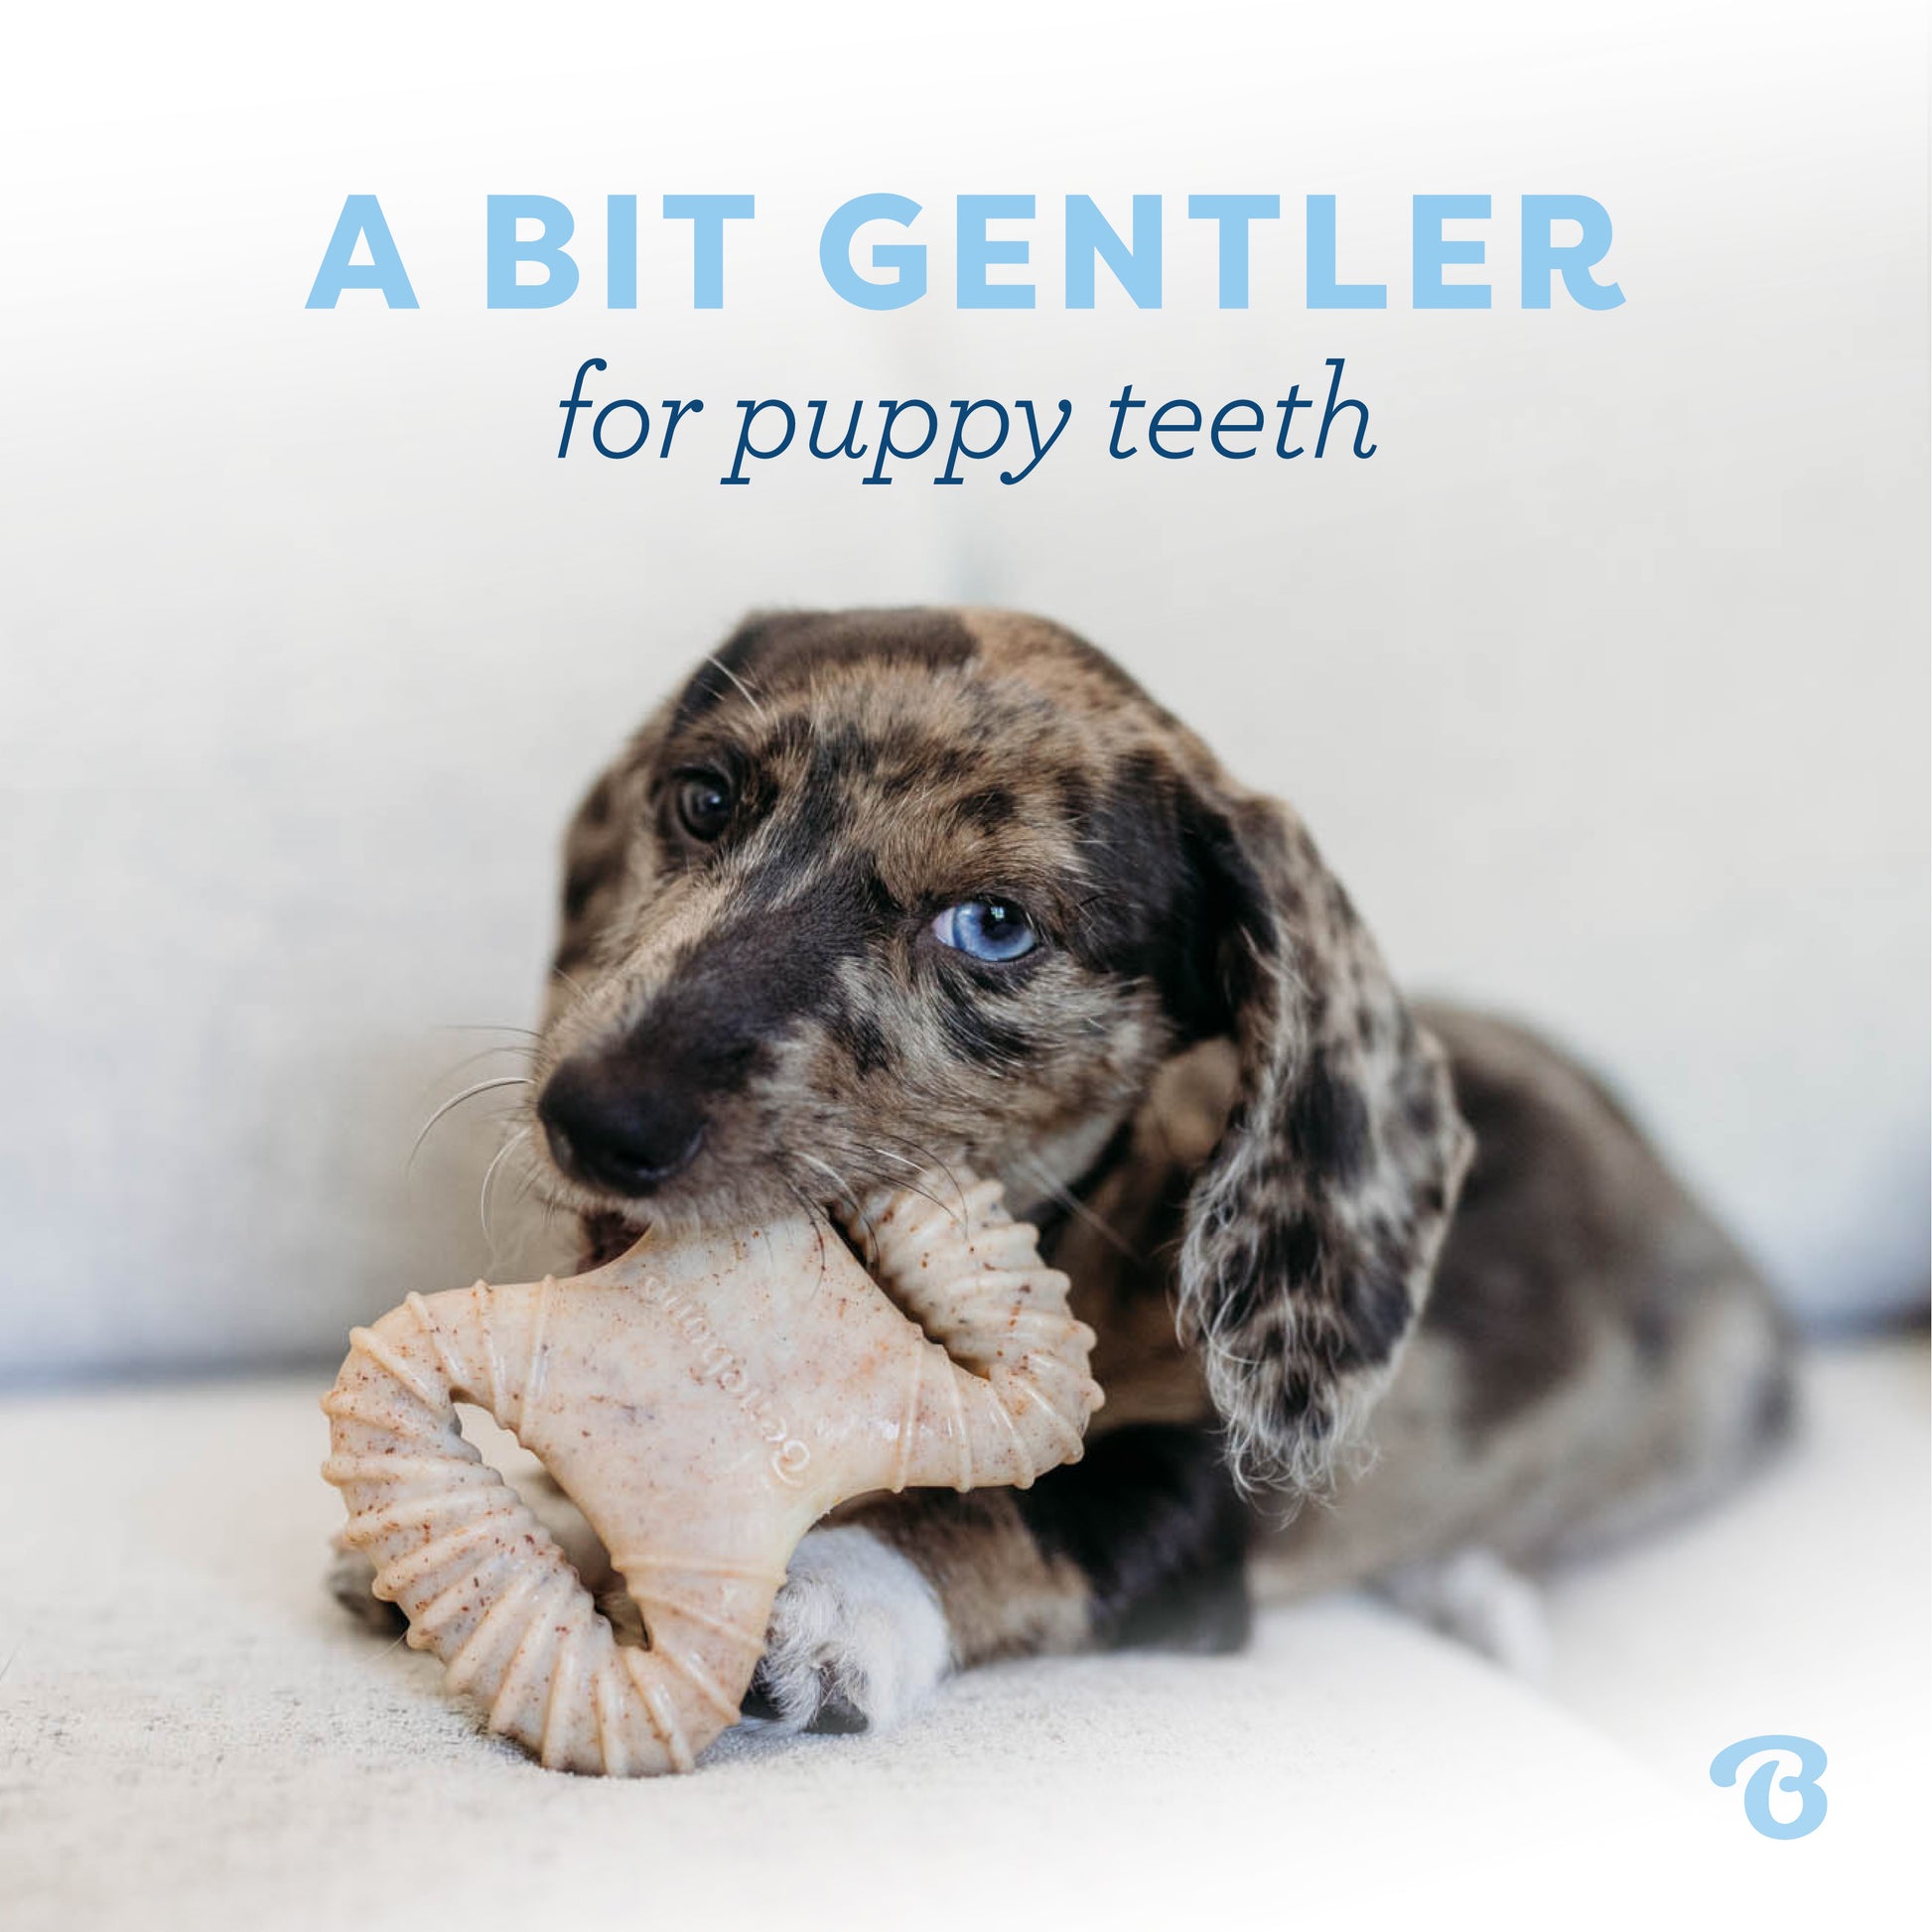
x,y
891,890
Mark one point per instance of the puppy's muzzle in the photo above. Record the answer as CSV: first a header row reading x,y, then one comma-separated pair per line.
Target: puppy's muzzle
x,y
627,1112
619,1126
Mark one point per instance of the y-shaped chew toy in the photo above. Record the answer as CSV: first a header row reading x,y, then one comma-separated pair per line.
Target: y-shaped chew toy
x,y
703,1403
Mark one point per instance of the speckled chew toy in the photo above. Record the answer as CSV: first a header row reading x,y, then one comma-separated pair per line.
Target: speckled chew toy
x,y
704,1403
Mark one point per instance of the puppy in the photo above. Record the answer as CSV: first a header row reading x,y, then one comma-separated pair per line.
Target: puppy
x,y
883,893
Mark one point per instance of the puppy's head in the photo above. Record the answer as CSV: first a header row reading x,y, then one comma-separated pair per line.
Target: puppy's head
x,y
883,892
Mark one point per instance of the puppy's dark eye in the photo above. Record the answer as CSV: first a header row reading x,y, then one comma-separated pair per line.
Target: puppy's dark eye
x,y
705,804
986,929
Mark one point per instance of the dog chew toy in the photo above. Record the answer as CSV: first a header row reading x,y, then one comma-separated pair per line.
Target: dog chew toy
x,y
703,1402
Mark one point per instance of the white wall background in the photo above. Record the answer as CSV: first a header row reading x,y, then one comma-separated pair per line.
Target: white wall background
x,y
1604,684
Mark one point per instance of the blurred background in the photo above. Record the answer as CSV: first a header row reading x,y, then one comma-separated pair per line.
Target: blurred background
x,y
1603,684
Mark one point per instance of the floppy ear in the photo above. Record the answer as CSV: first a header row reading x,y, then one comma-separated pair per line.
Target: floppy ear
x,y
1314,1227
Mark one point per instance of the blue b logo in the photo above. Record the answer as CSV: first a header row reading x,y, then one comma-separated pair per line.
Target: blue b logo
x,y
1757,1793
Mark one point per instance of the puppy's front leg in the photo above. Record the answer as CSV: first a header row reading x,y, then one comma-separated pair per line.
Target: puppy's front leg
x,y
1141,1544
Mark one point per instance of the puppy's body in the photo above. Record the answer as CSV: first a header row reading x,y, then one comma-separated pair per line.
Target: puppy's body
x,y
1594,1355
885,892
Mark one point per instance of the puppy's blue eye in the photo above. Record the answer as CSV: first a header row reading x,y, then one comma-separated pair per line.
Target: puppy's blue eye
x,y
986,929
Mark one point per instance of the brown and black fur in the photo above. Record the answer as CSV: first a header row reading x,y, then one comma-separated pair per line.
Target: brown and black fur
x,y
1407,1262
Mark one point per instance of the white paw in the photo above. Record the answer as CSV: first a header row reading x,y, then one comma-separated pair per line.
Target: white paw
x,y
857,1638
1477,1598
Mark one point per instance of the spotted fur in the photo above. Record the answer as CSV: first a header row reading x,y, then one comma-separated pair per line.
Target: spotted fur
x,y
1314,1227
1235,1134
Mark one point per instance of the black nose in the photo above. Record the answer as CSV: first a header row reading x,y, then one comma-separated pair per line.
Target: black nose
x,y
613,1130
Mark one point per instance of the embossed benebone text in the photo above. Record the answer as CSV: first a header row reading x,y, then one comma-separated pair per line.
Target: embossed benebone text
x,y
789,1457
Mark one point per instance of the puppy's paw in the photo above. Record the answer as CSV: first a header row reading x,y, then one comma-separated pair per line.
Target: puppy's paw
x,y
351,1581
1477,1598
857,1638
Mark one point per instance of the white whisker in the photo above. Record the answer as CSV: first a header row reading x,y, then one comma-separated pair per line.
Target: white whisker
x,y
468,1093
490,1174
832,1175
557,972
743,690
1064,1196
934,1165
